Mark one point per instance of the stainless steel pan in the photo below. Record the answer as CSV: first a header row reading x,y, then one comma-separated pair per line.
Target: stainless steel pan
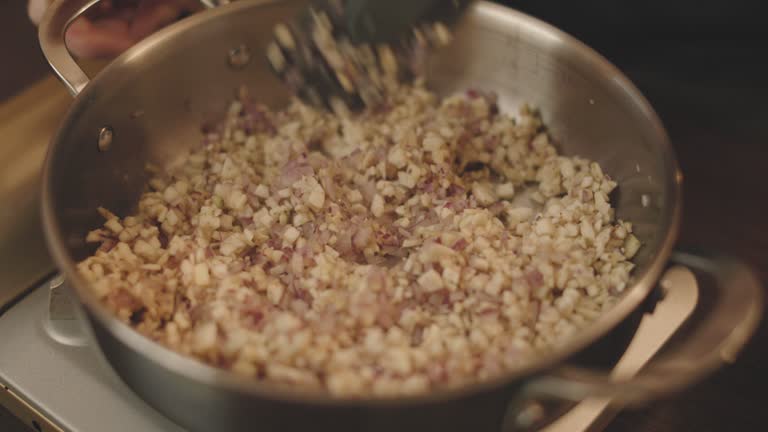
x,y
147,105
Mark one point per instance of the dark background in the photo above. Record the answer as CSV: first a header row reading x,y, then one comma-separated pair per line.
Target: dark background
x,y
703,66
22,63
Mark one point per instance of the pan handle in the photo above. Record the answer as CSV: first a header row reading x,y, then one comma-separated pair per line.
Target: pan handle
x,y
728,312
59,15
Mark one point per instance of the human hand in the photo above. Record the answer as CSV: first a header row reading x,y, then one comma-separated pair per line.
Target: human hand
x,y
113,26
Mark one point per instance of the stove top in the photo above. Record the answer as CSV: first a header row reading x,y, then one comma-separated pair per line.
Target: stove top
x,y
67,388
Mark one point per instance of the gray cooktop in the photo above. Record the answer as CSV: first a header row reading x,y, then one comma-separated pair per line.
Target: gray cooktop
x,y
72,386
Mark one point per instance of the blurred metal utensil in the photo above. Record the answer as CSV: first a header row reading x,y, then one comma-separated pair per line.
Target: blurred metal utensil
x,y
347,50
343,50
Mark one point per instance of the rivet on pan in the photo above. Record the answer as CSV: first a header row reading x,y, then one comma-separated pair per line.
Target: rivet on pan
x,y
239,57
645,200
56,282
105,138
529,415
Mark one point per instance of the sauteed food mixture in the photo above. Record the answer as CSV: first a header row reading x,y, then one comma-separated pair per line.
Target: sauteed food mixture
x,y
421,245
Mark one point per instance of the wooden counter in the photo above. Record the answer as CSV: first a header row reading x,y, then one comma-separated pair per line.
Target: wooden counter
x,y
27,122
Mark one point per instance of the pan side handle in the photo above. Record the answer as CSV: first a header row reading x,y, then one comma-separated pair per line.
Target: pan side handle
x,y
729,310
57,19
59,15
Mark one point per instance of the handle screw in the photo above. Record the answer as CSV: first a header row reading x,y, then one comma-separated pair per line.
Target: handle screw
x,y
105,138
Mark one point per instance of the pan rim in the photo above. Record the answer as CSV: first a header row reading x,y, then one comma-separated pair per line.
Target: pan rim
x,y
195,370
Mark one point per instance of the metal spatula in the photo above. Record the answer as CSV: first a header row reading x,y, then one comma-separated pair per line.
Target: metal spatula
x,y
349,50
